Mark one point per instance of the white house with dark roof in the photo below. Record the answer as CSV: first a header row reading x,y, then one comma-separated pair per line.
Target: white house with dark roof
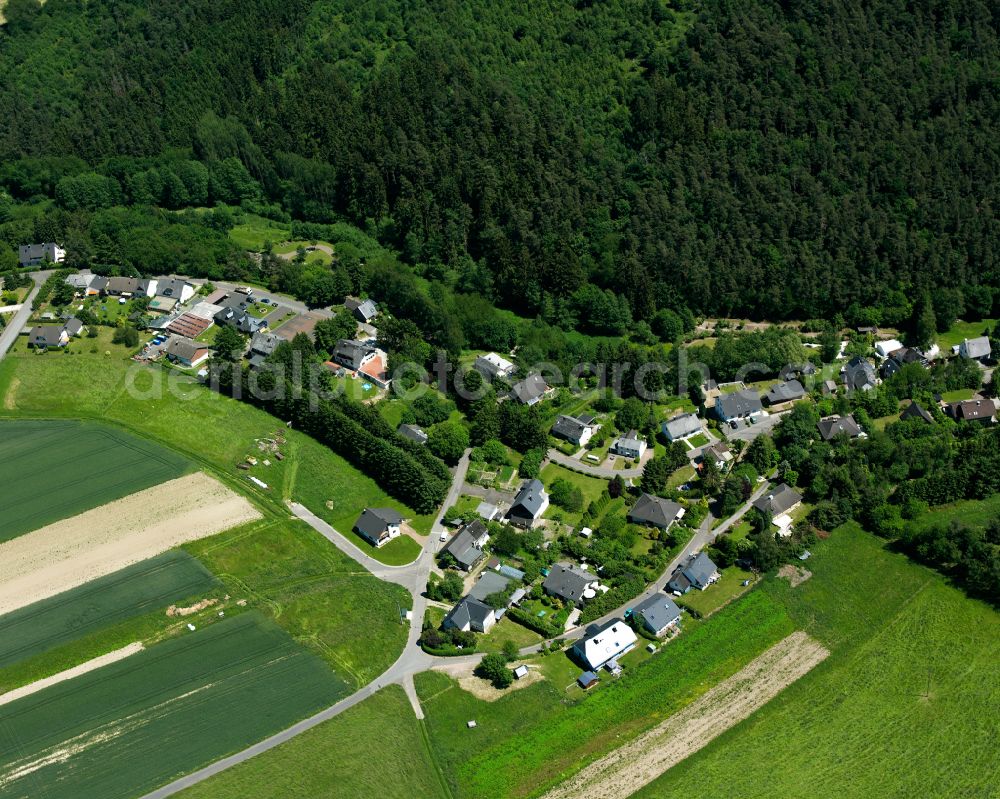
x,y
365,311
570,583
529,391
466,546
45,336
784,499
737,405
378,526
185,351
652,511
529,504
353,354
681,427
859,375
832,426
631,445
35,254
575,429
659,614
470,615
700,572
606,642
175,288
789,391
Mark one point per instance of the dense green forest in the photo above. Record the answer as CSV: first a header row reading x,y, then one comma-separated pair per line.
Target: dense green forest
x,y
773,159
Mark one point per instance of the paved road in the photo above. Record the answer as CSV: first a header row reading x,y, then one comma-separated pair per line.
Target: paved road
x,y
606,472
765,424
288,256
457,483
288,302
10,333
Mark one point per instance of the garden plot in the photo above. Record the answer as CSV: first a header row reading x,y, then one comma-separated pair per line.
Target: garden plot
x,y
103,540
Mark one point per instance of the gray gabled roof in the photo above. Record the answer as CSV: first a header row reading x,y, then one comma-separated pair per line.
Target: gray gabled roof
x,y
686,424
568,582
530,389
654,511
412,432
265,343
470,612
73,326
738,403
915,411
490,583
832,426
977,347
462,546
172,287
367,310
779,501
571,427
350,353
529,500
785,392
658,611
49,335
700,570
184,348
859,373
373,522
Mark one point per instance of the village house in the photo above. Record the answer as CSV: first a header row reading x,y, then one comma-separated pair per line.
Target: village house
x,y
699,573
470,615
82,283
37,254
651,511
883,348
174,288
353,354
915,411
792,371
631,445
719,452
44,337
378,526
530,391
899,358
129,287
859,375
832,426
977,349
262,346
738,405
575,429
74,327
779,504
681,427
365,311
570,583
979,411
602,644
466,546
786,392
659,614
492,366
185,351
412,432
529,503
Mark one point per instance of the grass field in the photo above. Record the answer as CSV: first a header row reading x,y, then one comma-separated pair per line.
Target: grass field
x,y
151,585
526,740
973,512
254,231
905,705
591,487
322,598
960,331
314,257
729,586
375,749
124,729
52,470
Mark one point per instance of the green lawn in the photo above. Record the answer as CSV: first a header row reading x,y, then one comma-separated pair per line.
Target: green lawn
x,y
124,729
683,475
698,440
531,738
902,707
592,488
729,586
958,395
53,470
375,749
322,598
973,512
353,388
507,630
317,256
254,231
960,331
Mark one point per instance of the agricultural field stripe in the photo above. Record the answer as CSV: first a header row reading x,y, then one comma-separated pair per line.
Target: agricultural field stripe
x,y
69,674
629,768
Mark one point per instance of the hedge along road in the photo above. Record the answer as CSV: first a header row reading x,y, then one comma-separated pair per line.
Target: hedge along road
x,y
413,659
10,333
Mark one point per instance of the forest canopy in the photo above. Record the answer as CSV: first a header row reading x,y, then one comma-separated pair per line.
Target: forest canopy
x,y
601,162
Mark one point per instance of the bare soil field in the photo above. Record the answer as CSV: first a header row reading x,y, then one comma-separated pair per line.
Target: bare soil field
x,y
795,575
624,771
73,551
69,674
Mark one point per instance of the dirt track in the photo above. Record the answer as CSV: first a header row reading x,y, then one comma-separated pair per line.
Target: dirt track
x,y
74,551
625,770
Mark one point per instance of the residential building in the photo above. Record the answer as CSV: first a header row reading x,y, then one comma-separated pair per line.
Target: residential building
x,y
789,391
185,351
737,405
490,582
784,499
74,327
899,358
529,503
378,526
859,375
832,426
978,349
466,546
130,287
883,348
175,288
915,411
241,320
681,427
353,354
829,388
365,311
631,445
81,283
606,642
699,573
262,347
488,511
792,371
981,411
470,615
659,614
36,254
529,391
719,452
46,336
651,511
570,583
575,429
412,432
492,366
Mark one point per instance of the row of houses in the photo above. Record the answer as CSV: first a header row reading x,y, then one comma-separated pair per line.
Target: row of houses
x,y
164,292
